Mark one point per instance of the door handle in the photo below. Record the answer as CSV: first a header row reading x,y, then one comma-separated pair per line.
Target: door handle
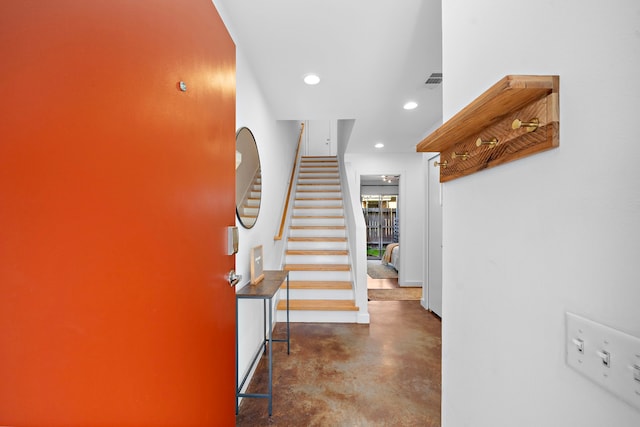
x,y
233,278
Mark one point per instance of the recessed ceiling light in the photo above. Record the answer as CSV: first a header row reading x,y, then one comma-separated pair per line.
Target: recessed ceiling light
x,y
410,105
311,79
379,145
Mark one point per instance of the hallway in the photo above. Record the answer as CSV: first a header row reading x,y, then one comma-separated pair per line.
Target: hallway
x,y
383,374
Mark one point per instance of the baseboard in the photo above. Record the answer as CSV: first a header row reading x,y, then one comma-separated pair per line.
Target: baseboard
x,y
363,318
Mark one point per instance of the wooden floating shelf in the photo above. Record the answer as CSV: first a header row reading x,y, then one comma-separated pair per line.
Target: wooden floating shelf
x,y
515,118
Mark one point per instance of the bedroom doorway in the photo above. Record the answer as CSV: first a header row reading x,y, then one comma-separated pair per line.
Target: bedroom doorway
x,y
379,199
381,216
380,202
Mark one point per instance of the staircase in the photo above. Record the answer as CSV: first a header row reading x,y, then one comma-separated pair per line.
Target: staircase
x,y
248,211
317,258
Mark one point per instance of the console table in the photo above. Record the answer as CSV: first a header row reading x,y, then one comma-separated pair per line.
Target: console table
x,y
265,290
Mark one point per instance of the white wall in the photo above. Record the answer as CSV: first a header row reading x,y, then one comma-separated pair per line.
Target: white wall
x,y
410,207
555,232
276,145
276,141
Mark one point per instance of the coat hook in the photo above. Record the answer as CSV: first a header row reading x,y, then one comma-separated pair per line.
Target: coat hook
x,y
530,125
463,156
491,143
442,164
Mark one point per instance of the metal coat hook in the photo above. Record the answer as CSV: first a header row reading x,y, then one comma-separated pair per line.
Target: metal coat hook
x,y
531,125
463,156
491,143
441,164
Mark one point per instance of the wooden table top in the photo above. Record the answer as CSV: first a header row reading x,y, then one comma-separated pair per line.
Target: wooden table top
x,y
267,287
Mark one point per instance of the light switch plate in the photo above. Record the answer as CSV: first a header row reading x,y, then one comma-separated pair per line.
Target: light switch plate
x,y
609,357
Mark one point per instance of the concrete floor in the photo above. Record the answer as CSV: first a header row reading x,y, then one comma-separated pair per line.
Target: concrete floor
x,y
383,374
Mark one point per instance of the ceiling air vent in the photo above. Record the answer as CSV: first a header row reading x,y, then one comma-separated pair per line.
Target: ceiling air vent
x,y
434,79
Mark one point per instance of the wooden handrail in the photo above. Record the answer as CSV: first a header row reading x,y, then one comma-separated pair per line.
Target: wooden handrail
x,y
293,173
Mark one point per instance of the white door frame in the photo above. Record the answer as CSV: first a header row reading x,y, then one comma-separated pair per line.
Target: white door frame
x,y
433,274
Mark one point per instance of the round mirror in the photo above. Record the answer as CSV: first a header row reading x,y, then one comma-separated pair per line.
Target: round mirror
x,y
248,178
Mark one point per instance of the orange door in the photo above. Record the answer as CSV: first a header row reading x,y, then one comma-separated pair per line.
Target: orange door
x,y
116,186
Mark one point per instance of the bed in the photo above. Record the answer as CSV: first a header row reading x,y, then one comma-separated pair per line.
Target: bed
x,y
391,256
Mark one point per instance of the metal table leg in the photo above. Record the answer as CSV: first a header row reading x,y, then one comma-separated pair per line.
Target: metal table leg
x,y
237,362
270,357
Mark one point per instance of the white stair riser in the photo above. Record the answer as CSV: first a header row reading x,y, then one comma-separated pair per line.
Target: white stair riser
x,y
320,275
323,195
294,232
325,167
318,168
306,294
318,211
255,194
315,163
335,204
311,316
317,259
318,187
332,177
319,181
317,175
310,246
317,221
253,202
249,210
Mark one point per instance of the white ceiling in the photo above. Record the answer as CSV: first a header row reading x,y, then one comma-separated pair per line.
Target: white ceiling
x,y
372,57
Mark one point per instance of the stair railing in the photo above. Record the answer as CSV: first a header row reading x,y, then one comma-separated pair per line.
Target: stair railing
x,y
293,173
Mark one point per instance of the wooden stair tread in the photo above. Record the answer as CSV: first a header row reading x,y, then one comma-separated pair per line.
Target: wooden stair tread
x,y
317,267
317,239
317,284
318,191
317,227
319,157
325,183
318,217
316,252
318,198
318,304
318,207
